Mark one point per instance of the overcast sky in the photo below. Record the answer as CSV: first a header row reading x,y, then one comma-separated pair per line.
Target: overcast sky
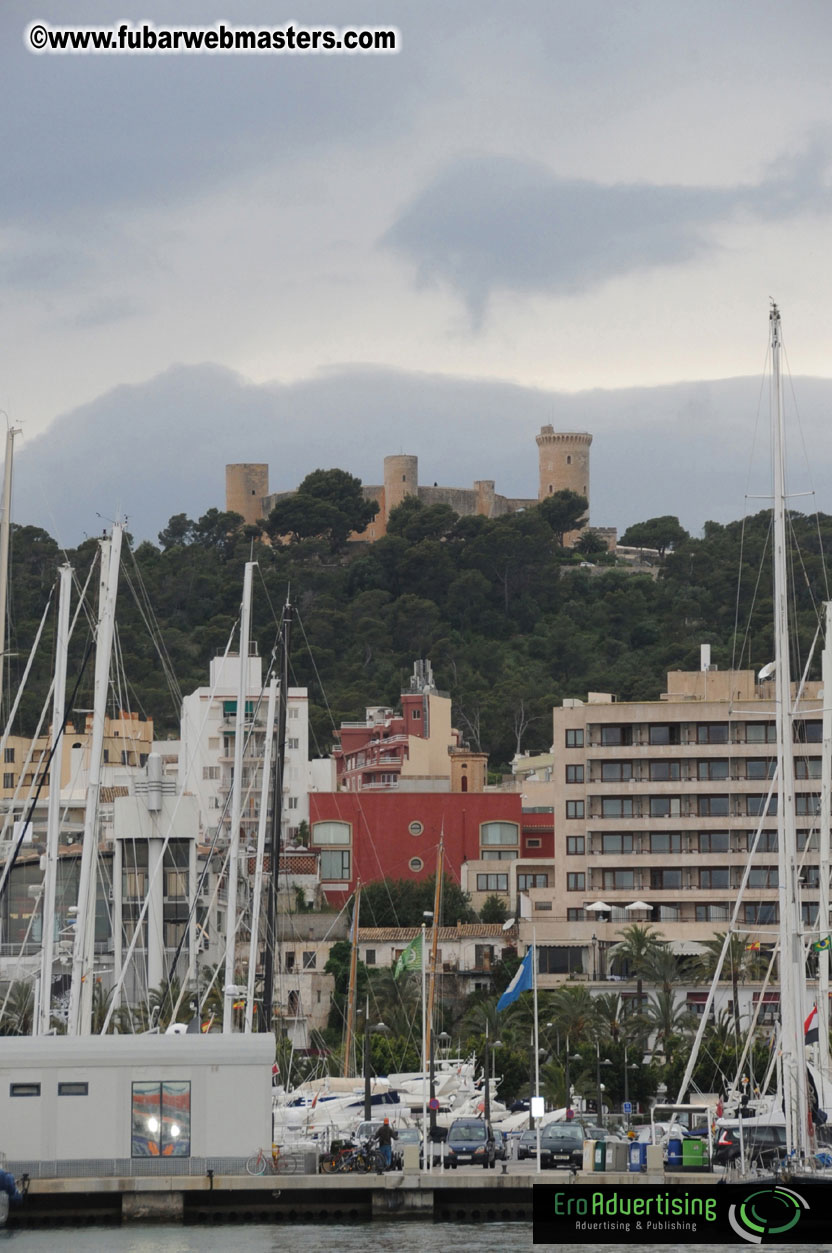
x,y
560,195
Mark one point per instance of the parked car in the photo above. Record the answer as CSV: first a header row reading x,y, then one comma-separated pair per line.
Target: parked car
x,y
465,1136
407,1135
527,1145
561,1147
763,1145
499,1149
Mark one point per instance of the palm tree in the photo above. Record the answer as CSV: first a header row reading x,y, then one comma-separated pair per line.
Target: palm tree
x,y
573,1014
741,963
632,953
667,1019
18,1014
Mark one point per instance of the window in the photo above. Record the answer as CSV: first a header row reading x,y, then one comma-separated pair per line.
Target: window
x,y
616,843
310,960
714,769
616,771
575,882
533,843
370,957
416,864
556,959
664,733
712,733
807,768
8,755
809,913
714,877
527,881
767,913
661,880
498,854
415,828
761,767
293,743
161,1119
712,806
574,809
665,806
617,807
293,802
618,879
756,805
809,838
614,737
335,864
767,842
331,833
73,1089
808,732
574,774
24,1089
807,803
714,842
575,738
763,877
213,743
210,772
499,833
761,733
665,842
665,771
492,882
575,915
712,913
543,905
8,778
416,714
294,712
575,845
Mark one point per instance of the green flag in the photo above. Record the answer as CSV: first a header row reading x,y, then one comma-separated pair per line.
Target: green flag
x,y
820,946
410,959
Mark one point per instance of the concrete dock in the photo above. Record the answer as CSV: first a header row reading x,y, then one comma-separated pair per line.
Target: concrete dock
x,y
464,1195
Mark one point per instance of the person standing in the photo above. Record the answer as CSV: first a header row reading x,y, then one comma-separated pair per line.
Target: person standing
x,y
384,1138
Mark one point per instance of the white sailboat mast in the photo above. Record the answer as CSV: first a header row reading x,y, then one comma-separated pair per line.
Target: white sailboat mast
x,y
792,962
229,989
54,812
823,851
254,946
5,531
80,995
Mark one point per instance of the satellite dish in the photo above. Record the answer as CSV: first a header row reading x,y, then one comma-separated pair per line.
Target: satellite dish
x,y
508,924
767,671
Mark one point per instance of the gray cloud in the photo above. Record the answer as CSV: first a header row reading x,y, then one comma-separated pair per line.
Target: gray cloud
x,y
488,224
160,448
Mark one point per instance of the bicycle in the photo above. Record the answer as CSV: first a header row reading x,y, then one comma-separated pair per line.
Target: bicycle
x,y
331,1162
362,1160
274,1163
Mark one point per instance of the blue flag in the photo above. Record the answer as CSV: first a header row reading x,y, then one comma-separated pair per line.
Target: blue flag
x,y
521,982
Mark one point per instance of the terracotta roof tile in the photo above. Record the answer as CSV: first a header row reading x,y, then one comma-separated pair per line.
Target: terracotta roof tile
x,y
463,931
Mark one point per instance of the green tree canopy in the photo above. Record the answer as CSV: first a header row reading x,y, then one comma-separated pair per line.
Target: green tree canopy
x,y
402,903
660,533
564,511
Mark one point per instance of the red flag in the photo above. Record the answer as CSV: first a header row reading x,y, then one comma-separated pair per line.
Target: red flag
x,y
810,1032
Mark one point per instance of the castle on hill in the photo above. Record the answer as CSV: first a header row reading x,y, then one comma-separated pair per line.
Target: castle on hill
x,y
563,464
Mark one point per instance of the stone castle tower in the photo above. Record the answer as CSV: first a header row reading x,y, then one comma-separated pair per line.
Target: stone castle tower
x,y
246,483
563,458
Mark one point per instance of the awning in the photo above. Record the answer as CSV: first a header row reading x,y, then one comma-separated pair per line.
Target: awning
x,y
598,908
638,905
686,948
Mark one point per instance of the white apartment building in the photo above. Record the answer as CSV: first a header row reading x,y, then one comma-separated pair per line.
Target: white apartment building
x,y
206,760
657,804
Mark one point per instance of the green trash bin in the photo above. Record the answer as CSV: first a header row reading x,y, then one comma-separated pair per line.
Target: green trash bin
x,y
600,1159
694,1154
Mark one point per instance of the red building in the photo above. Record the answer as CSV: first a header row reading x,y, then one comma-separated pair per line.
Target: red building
x,y
395,835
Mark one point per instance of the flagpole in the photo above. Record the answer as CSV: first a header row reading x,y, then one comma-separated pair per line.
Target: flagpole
x,y
424,1064
536,1039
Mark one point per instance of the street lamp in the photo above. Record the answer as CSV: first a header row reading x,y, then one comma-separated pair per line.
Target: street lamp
x,y
444,1038
627,1068
369,1029
594,957
598,1088
570,1057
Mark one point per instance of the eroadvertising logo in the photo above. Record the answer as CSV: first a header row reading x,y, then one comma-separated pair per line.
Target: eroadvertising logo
x,y
700,1214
